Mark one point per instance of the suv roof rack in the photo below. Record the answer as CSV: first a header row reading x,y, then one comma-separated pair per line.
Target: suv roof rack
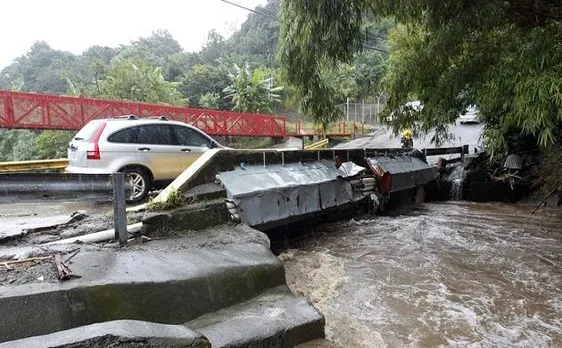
x,y
161,118
128,117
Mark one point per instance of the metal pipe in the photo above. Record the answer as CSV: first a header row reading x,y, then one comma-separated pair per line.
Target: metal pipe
x,y
97,237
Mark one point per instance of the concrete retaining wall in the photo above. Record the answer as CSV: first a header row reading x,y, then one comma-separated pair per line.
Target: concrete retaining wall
x,y
170,287
191,217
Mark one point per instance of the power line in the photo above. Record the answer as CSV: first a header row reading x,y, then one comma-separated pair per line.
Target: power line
x,y
265,13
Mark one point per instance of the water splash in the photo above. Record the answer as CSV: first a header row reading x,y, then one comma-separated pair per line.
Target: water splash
x,y
456,178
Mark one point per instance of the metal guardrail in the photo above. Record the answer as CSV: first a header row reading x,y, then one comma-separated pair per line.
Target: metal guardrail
x,y
462,150
14,186
318,145
30,166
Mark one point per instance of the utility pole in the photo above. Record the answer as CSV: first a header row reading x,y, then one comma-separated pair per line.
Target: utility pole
x,y
347,109
363,111
371,113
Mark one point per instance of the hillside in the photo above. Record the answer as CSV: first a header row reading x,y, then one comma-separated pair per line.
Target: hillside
x,y
237,73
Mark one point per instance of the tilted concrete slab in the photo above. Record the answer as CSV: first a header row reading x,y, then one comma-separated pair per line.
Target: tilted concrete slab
x,y
18,227
119,333
275,318
167,281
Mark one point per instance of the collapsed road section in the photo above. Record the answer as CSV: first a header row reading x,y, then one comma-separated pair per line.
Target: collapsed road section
x,y
265,196
262,196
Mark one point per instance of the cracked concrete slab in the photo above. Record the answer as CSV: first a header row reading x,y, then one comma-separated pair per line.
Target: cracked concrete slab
x,y
119,333
15,227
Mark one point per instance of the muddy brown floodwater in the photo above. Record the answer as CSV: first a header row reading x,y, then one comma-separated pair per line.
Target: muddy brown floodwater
x,y
439,275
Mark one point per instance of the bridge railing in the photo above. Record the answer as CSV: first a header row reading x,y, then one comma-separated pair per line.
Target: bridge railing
x,y
461,150
44,111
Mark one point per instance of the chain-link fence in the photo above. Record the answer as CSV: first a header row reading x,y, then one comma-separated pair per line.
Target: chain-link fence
x,y
363,110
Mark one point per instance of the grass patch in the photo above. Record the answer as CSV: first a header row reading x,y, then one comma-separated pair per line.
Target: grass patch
x,y
174,200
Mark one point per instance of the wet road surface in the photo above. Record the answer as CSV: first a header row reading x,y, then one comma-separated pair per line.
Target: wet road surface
x,y
19,216
382,137
441,275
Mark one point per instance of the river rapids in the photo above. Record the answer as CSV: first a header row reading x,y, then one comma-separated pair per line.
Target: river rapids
x,y
455,274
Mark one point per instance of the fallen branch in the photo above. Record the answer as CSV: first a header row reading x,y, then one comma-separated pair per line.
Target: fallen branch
x,y
503,177
73,253
544,200
63,272
32,259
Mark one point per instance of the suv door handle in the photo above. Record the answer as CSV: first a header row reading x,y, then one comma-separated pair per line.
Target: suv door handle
x,y
185,150
144,149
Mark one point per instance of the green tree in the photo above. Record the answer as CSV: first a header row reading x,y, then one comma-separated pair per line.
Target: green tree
x,y
215,48
39,70
503,56
252,91
175,65
342,80
154,49
210,100
51,144
370,68
135,80
18,145
202,79
258,37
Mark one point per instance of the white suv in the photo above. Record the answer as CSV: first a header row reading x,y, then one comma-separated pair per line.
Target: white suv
x,y
151,150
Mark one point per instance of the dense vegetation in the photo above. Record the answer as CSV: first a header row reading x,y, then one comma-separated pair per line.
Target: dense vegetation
x,y
240,73
503,56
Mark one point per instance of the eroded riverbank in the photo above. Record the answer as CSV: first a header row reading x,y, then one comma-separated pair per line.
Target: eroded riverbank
x,y
453,274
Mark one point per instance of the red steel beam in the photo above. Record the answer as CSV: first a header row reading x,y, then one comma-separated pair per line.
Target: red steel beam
x,y
44,111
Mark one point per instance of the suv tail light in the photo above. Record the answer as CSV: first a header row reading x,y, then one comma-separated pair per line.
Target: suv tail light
x,y
95,154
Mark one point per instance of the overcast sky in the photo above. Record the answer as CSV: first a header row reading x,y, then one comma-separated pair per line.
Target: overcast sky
x,y
74,25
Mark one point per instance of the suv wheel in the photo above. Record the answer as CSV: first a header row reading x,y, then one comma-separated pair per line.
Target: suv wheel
x,y
140,183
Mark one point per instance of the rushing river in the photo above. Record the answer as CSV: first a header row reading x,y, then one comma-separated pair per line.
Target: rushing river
x,y
439,275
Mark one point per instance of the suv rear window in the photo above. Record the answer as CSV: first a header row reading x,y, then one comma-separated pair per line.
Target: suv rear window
x,y
155,134
88,131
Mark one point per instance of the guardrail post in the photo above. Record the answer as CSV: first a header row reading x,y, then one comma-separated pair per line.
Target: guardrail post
x,y
465,151
119,208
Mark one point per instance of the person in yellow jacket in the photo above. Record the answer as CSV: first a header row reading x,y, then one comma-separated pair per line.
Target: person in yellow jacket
x,y
407,141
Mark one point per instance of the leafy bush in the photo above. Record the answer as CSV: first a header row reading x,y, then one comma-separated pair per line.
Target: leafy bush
x,y
52,144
